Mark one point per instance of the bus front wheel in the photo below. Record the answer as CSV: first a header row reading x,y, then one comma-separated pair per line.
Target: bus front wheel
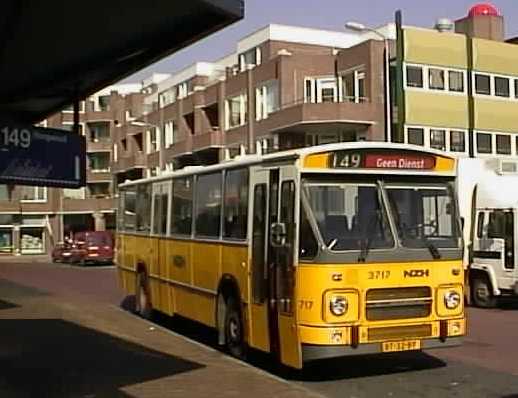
x,y
234,338
482,292
142,301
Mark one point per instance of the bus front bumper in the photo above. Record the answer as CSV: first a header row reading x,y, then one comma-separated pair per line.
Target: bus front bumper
x,y
312,352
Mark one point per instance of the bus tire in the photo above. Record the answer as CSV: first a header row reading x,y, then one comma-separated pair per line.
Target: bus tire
x,y
234,332
482,292
143,305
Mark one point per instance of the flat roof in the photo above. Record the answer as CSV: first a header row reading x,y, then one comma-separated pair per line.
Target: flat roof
x,y
54,51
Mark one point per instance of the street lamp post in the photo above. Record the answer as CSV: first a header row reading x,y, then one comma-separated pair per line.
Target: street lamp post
x,y
358,27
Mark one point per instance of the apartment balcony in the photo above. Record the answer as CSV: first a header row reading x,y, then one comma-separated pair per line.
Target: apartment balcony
x,y
212,139
103,175
136,160
299,114
89,205
179,148
99,146
104,115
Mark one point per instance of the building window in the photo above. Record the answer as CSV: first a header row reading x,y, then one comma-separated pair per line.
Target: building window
x,y
324,89
482,84
181,210
169,133
438,139
102,104
152,140
99,131
503,144
414,76
250,58
456,81
167,97
99,190
266,99
502,87
436,79
415,136
4,193
236,204
99,162
457,141
484,144
79,193
515,88
33,194
208,205
236,111
184,89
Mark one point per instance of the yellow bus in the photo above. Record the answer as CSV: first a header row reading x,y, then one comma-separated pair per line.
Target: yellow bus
x,y
321,252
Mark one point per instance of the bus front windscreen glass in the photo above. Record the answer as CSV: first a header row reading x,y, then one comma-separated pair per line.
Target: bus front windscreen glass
x,y
349,216
424,215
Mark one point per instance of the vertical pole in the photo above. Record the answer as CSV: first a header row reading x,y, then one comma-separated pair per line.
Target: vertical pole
x,y
76,116
400,90
388,102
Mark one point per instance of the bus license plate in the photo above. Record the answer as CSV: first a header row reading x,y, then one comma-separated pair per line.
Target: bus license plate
x,y
405,345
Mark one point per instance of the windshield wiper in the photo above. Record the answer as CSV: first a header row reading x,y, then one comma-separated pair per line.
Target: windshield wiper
x,y
364,250
431,247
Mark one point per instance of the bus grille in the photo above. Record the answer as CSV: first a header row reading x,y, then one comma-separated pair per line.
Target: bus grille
x,y
399,332
399,303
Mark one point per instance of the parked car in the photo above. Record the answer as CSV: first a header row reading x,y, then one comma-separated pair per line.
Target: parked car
x,y
92,247
62,252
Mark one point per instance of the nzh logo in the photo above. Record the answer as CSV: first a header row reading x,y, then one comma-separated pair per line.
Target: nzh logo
x,y
416,273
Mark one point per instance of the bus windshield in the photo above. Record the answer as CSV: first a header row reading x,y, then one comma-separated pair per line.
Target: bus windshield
x,y
424,215
349,216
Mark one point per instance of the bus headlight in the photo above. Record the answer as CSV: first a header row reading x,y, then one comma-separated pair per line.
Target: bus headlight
x,y
338,305
452,299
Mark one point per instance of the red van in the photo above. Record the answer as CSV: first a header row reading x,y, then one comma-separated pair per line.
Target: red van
x,y
92,247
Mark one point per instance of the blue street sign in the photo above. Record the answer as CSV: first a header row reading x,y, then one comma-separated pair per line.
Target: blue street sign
x,y
41,156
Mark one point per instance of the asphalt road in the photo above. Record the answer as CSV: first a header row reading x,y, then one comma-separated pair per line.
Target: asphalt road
x,y
486,365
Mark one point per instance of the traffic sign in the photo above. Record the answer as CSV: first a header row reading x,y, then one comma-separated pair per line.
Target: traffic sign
x,y
40,156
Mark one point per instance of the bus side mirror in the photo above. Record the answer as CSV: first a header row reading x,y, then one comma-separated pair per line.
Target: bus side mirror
x,y
278,234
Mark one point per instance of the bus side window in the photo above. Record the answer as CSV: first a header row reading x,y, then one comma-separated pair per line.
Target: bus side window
x,y
480,224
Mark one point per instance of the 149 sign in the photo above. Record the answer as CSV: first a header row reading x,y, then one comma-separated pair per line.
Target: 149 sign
x,y
18,138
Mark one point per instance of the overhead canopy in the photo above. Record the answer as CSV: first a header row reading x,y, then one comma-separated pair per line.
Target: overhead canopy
x,y
54,51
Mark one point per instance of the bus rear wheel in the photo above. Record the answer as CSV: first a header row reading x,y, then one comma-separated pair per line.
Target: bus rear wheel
x,y
482,292
234,336
142,301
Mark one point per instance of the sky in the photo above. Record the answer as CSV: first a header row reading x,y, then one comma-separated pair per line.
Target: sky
x,y
321,14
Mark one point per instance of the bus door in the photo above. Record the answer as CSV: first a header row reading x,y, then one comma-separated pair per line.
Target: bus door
x,y
284,206
259,222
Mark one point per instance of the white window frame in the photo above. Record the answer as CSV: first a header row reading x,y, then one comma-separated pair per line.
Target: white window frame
x,y
81,108
316,88
169,133
493,134
492,95
358,73
115,152
37,199
261,99
448,130
150,147
243,104
426,79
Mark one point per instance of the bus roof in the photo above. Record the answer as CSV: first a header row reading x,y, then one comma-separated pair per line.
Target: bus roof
x,y
302,153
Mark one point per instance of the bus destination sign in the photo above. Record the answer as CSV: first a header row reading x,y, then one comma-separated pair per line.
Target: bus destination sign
x,y
383,160
40,156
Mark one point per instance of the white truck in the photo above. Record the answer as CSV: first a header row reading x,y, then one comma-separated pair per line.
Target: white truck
x,y
488,201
